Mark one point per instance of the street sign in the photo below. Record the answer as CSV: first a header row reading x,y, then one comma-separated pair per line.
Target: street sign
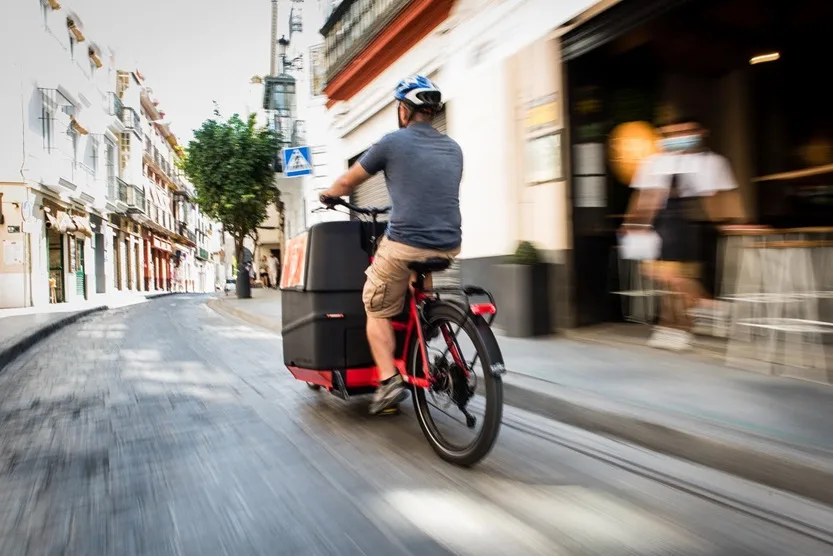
x,y
296,162
26,210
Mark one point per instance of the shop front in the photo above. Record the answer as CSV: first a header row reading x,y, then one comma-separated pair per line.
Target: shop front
x,y
750,81
68,252
183,269
161,254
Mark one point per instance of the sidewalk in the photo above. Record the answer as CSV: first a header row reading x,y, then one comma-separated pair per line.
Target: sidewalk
x,y
22,328
263,309
775,431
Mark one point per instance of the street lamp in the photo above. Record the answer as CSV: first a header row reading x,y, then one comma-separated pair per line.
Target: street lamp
x,y
296,63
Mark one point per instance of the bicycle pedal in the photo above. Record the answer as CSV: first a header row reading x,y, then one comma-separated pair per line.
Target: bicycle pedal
x,y
390,411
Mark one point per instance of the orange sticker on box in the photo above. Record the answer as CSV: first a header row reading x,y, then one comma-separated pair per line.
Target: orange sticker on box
x,y
295,263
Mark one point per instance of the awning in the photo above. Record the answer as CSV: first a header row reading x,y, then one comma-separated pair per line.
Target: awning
x,y
82,225
53,222
64,223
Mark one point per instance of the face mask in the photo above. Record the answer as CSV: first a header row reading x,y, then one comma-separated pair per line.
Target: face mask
x,y
682,143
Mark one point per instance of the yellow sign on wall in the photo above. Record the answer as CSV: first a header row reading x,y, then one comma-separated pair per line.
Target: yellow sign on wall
x,y
630,143
543,115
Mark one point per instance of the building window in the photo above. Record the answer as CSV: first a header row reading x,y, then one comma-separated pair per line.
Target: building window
x,y
74,138
48,126
92,151
110,159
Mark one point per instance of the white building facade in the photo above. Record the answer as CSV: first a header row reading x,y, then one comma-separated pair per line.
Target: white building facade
x,y
77,207
499,67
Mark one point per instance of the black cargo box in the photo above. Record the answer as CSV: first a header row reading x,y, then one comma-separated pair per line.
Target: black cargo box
x,y
323,318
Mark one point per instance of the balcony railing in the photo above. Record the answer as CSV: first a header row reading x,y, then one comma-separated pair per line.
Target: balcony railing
x,y
136,198
351,27
112,189
131,121
187,233
114,106
121,190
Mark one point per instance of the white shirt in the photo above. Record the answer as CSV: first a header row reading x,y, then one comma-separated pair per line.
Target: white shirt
x,y
699,174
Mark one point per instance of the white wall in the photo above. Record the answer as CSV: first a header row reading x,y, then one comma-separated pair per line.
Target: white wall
x,y
483,87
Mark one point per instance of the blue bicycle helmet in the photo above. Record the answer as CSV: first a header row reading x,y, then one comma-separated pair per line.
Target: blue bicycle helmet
x,y
419,93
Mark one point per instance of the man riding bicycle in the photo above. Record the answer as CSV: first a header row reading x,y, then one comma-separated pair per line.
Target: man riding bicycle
x,y
423,169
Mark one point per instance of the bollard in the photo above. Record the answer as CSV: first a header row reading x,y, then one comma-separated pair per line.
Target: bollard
x,y
244,287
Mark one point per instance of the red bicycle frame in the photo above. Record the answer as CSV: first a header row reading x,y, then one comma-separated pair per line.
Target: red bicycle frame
x,y
369,376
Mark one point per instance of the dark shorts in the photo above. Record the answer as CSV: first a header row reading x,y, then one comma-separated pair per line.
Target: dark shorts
x,y
680,236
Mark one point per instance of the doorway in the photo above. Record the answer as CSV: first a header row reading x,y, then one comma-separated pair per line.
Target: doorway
x,y
100,286
117,263
137,265
80,268
57,293
127,266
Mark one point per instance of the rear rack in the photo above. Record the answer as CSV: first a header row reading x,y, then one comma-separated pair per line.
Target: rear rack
x,y
468,292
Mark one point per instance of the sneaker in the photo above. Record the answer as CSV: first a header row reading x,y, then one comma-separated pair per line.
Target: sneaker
x,y
388,394
660,337
683,340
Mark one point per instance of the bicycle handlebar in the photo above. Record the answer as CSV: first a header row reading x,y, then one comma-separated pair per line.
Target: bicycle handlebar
x,y
332,202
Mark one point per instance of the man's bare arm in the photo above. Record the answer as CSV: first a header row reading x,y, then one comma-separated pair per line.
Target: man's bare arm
x,y
348,182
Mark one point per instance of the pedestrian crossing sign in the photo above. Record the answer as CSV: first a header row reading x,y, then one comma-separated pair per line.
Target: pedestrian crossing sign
x,y
296,162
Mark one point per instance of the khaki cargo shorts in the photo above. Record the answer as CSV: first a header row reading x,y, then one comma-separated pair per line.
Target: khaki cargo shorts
x,y
388,277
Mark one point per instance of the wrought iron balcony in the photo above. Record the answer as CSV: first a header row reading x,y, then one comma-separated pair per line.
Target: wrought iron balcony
x,y
121,190
351,27
136,199
183,230
114,105
131,121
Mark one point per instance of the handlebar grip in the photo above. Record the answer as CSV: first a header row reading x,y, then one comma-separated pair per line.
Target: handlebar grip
x,y
330,202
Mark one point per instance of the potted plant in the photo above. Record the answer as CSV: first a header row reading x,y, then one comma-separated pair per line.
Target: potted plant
x,y
523,290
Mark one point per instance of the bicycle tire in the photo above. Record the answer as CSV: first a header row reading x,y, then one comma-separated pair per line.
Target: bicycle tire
x,y
489,354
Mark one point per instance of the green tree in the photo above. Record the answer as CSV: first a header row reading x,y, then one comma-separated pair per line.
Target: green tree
x,y
230,165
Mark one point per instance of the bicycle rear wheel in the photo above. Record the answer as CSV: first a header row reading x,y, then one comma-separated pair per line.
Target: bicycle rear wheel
x,y
455,329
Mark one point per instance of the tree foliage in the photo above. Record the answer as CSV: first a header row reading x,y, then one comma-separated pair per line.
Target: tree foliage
x,y
230,165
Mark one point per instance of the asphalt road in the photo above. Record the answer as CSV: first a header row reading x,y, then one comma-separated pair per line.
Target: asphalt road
x,y
165,428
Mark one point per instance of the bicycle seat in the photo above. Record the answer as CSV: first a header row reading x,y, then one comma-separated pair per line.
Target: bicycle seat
x,y
429,265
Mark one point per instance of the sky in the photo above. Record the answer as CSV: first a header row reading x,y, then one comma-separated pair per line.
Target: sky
x,y
191,53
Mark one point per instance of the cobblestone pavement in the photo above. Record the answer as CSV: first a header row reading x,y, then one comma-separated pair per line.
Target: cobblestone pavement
x,y
164,428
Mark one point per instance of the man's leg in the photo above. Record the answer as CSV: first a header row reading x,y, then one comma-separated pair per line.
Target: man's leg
x,y
383,297
382,343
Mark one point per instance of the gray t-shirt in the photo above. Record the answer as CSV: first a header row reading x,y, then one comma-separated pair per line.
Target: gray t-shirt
x,y
423,169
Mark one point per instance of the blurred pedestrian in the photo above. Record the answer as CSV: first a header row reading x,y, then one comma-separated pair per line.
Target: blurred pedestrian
x,y
272,265
673,192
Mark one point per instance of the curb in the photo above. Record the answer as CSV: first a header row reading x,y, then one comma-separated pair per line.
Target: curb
x,y
19,346
744,455
10,353
220,306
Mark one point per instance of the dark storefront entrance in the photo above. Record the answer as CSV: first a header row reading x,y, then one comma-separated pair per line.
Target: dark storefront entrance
x,y
656,60
602,95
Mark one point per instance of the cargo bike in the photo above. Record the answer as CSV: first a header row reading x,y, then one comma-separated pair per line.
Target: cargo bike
x,y
325,344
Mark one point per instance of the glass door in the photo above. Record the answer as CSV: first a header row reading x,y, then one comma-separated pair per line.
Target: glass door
x,y
80,269
56,266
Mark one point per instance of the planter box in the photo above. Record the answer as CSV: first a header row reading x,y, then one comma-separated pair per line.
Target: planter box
x,y
523,300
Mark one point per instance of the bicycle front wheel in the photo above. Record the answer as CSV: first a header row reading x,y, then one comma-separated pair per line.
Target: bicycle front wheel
x,y
458,344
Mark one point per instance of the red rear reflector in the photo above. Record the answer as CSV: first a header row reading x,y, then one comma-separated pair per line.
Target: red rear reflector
x,y
335,315
483,309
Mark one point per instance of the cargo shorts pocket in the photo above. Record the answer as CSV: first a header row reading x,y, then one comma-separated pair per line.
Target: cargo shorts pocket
x,y
374,295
